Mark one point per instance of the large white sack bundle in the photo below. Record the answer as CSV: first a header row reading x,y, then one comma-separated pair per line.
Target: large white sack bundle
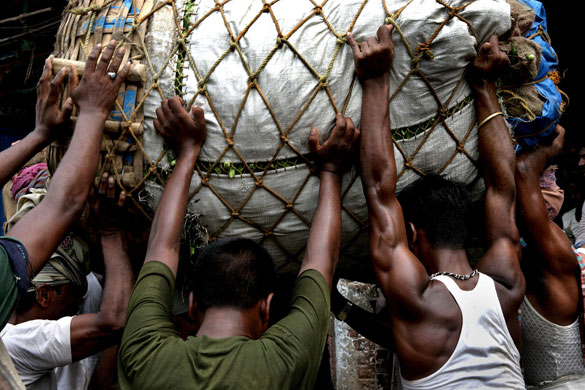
x,y
266,73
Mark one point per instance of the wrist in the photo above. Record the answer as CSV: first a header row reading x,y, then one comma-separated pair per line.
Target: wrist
x,y
189,153
41,135
483,87
330,170
377,82
94,112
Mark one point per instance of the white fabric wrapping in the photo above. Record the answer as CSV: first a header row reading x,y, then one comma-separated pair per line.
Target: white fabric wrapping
x,y
288,85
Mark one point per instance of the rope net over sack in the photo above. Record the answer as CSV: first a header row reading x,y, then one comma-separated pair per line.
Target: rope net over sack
x,y
264,73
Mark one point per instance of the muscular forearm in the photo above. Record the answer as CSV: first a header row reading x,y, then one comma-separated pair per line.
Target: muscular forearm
x,y
378,168
495,145
71,183
322,252
16,156
93,332
165,234
119,280
66,198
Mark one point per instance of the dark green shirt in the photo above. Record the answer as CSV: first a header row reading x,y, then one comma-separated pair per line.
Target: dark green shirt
x,y
287,356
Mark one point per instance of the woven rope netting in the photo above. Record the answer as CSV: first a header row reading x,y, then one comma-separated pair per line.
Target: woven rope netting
x,y
264,73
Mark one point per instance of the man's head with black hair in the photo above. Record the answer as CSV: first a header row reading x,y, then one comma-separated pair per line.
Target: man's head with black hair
x,y
233,272
441,208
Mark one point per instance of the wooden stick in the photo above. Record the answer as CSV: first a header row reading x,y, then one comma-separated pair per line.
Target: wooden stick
x,y
23,16
114,127
137,71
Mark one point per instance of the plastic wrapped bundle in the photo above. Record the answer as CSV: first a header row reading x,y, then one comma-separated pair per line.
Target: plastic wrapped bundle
x,y
531,97
264,74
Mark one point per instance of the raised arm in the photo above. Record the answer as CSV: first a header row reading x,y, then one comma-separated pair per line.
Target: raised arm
x,y
94,332
186,134
43,228
550,270
501,260
333,157
49,122
400,274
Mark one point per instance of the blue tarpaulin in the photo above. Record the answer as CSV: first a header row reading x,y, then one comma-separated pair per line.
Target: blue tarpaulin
x,y
530,132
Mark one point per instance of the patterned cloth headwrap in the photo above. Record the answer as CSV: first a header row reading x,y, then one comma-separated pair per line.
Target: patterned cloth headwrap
x,y
69,263
553,195
35,176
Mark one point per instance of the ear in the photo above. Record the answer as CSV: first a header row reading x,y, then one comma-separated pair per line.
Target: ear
x,y
265,308
45,295
192,307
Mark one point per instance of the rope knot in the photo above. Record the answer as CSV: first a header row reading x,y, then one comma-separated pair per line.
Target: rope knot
x,y
323,81
205,181
253,80
259,183
388,20
408,164
233,45
268,233
284,139
235,214
341,40
460,148
229,141
289,206
442,113
279,42
318,10
425,50
266,8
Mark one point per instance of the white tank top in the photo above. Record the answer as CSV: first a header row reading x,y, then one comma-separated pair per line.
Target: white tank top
x,y
485,356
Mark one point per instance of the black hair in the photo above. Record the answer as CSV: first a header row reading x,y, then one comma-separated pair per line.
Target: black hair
x,y
441,208
233,272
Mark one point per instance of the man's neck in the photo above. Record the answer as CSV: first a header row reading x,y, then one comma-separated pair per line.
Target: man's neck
x,y
229,322
447,260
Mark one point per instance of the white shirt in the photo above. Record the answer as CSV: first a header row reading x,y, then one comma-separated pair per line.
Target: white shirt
x,y
41,349
485,356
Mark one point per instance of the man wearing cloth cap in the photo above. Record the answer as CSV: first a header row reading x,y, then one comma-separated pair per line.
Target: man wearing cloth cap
x,y
37,235
50,346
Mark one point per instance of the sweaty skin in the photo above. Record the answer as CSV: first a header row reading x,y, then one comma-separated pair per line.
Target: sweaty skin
x,y
550,267
425,319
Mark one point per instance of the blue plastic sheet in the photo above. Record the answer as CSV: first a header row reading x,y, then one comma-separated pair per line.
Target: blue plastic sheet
x,y
531,132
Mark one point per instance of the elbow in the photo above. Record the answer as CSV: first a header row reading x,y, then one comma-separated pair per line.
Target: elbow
x,y
70,203
112,325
